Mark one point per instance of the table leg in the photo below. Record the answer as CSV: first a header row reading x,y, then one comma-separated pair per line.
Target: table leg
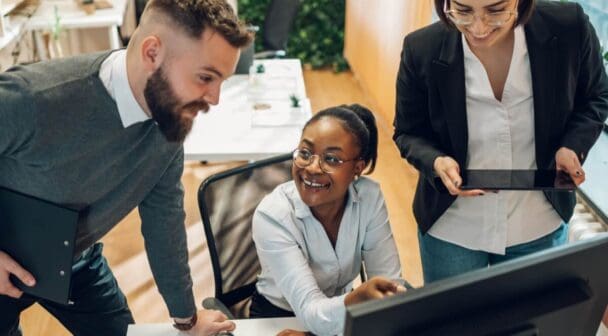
x,y
74,41
114,38
40,47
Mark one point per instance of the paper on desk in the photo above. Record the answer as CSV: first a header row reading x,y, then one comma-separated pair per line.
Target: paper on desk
x,y
264,86
272,113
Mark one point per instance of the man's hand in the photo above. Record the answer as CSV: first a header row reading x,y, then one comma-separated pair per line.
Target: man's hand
x,y
211,322
9,266
374,288
448,171
567,161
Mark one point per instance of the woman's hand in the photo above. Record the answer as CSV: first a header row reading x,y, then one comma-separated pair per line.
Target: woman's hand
x,y
448,171
567,161
374,288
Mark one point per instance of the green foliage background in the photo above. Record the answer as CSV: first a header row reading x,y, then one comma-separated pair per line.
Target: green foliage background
x,y
317,37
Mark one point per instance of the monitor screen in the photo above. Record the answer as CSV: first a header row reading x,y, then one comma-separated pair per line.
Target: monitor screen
x,y
562,291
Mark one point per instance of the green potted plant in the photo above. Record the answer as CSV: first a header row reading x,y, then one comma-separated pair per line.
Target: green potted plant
x,y
88,6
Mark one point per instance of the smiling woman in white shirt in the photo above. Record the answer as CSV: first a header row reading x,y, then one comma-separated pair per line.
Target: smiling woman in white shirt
x,y
312,233
497,84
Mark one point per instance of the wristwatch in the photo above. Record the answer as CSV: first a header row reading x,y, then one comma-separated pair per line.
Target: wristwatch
x,y
185,325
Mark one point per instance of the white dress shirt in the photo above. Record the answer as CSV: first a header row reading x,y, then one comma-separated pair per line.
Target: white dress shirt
x,y
501,136
113,75
301,270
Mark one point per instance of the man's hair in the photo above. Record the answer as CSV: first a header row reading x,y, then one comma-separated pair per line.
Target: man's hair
x,y
194,16
525,8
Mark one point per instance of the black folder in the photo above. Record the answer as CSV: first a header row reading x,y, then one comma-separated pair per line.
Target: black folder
x,y
39,235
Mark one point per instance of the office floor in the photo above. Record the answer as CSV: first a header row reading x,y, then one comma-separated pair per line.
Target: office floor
x,y
124,245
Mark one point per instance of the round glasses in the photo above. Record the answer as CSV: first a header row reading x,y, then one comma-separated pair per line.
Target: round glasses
x,y
494,19
328,162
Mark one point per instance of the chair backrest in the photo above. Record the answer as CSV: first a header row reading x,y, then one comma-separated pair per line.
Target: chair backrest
x,y
245,60
278,22
227,201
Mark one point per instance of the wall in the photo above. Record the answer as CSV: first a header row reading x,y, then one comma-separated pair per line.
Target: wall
x,y
374,32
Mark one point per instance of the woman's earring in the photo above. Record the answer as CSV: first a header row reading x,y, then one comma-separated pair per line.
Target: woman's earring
x,y
356,177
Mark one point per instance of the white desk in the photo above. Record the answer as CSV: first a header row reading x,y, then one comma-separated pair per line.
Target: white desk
x,y
229,132
252,327
72,17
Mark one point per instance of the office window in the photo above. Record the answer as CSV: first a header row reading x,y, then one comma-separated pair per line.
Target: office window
x,y
597,10
598,14
594,191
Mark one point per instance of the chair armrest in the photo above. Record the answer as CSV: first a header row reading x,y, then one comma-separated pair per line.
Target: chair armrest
x,y
215,304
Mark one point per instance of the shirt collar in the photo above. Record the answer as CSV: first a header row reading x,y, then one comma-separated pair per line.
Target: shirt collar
x,y
113,74
302,210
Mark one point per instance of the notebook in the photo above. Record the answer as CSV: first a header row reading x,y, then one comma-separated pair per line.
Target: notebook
x,y
39,235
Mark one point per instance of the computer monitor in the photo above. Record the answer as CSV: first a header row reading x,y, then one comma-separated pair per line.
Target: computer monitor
x,y
561,291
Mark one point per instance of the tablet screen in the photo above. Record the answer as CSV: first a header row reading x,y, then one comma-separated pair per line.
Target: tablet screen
x,y
501,179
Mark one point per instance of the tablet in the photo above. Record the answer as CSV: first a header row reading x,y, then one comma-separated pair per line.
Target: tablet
x,y
503,179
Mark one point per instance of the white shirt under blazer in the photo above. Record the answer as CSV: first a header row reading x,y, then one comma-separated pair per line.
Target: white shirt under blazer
x,y
500,136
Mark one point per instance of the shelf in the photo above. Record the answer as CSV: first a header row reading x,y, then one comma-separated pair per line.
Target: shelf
x,y
15,14
13,30
9,5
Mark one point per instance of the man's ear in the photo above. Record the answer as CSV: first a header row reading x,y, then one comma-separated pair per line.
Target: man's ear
x,y
151,53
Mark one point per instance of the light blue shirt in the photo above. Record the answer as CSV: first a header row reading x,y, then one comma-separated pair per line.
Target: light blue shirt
x,y
301,270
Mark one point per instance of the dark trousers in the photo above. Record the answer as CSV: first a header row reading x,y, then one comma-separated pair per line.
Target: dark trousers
x,y
262,308
99,308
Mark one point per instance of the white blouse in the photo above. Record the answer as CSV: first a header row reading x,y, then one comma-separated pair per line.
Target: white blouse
x,y
301,270
501,136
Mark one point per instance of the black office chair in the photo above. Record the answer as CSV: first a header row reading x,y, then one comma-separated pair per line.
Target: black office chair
x,y
278,22
227,201
139,9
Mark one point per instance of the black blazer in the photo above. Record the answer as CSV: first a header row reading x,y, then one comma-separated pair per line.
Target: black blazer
x,y
570,90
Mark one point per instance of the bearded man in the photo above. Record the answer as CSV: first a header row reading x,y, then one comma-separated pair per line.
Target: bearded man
x,y
105,131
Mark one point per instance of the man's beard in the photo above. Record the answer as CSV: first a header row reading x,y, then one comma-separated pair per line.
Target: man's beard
x,y
166,108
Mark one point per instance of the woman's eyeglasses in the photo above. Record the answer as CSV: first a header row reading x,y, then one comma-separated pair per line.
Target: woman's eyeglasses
x,y
494,19
328,162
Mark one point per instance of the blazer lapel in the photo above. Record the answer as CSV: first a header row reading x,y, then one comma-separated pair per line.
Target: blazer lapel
x,y
449,78
542,51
